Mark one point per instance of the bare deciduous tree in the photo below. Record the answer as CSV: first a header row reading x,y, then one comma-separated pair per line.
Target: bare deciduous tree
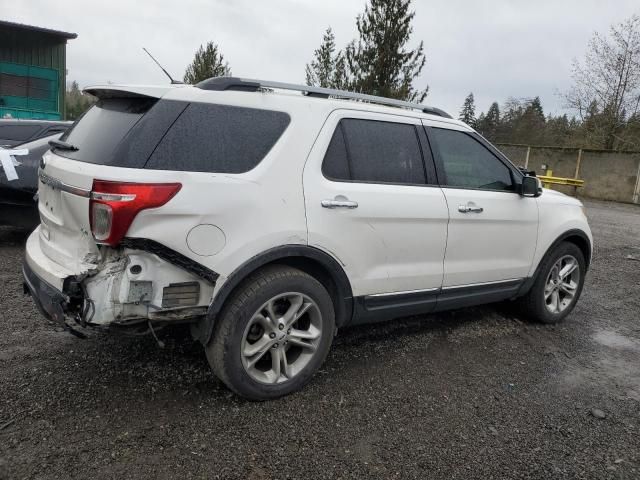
x,y
608,80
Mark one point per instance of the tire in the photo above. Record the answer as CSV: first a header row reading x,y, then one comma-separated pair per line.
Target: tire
x,y
273,334
539,303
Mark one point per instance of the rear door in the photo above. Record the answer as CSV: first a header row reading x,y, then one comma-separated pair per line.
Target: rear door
x,y
372,203
492,230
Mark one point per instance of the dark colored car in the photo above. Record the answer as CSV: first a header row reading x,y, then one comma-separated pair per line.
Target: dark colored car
x,y
17,205
15,132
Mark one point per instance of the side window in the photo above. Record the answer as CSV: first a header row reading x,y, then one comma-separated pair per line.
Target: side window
x,y
218,138
336,164
374,151
468,164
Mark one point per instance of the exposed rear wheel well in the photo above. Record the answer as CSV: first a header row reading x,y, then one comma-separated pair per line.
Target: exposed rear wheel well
x,y
310,260
320,273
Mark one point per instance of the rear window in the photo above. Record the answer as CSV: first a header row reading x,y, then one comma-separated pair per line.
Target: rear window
x,y
174,135
97,134
219,139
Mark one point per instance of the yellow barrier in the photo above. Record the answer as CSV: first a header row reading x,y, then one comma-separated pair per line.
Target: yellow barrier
x,y
548,179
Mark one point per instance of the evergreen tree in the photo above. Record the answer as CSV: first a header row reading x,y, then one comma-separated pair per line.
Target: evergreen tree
x,y
534,109
489,124
379,62
493,115
76,102
468,112
208,62
323,69
531,126
480,122
340,77
558,131
593,128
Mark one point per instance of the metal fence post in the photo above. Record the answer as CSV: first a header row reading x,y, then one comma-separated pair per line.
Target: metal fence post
x,y
575,189
636,191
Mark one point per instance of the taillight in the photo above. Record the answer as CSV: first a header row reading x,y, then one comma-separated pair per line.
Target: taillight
x,y
114,205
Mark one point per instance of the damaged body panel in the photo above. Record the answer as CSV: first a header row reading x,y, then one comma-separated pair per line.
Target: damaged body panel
x,y
112,286
132,286
137,225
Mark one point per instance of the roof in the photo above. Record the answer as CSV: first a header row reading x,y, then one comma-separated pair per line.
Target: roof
x,y
191,93
251,85
32,28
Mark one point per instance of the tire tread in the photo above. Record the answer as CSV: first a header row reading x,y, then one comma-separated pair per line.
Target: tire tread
x,y
243,294
529,305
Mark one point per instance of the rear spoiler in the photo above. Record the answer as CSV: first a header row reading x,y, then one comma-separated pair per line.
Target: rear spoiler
x,y
129,91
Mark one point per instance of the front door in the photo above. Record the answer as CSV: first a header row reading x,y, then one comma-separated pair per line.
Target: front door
x,y
492,229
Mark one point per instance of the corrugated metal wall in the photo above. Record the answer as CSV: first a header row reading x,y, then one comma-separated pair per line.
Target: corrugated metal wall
x,y
36,49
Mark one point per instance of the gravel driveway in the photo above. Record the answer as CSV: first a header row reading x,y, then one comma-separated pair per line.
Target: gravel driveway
x,y
474,393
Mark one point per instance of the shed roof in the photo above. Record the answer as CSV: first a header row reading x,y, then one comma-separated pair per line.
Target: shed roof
x,y
22,26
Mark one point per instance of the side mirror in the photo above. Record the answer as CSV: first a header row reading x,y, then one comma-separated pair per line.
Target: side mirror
x,y
530,187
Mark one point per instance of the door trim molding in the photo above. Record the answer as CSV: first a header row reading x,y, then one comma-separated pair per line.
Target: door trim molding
x,y
390,294
482,284
387,306
460,296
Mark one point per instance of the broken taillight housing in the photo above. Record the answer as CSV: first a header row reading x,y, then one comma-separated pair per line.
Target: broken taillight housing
x,y
114,205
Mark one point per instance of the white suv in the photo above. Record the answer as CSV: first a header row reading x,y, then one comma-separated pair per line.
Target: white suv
x,y
268,215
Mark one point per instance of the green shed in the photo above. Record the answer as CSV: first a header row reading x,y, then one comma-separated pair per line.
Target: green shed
x,y
33,71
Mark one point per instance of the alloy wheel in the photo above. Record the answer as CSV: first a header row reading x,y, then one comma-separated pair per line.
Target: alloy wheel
x,y
562,284
281,338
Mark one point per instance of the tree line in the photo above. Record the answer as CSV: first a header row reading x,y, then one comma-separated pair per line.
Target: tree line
x,y
378,62
604,98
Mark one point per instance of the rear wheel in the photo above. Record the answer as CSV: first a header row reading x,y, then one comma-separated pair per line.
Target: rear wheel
x,y
273,335
557,286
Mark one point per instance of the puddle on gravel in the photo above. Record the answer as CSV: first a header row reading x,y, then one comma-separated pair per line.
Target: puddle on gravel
x,y
612,339
615,368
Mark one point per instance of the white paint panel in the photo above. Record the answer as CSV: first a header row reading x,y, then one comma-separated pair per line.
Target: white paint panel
x,y
394,240
496,244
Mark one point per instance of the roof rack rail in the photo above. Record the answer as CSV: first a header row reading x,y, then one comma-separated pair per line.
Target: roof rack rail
x,y
250,85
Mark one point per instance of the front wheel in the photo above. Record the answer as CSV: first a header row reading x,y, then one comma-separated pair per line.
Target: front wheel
x,y
558,285
273,335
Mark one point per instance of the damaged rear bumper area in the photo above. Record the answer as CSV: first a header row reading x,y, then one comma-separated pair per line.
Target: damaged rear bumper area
x,y
125,290
52,304
48,300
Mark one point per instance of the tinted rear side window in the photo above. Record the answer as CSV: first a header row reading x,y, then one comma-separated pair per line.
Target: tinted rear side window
x,y
218,138
336,163
374,151
97,134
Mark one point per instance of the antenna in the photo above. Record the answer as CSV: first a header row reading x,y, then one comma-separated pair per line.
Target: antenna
x,y
173,82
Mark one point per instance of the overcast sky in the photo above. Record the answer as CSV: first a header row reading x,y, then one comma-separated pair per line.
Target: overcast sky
x,y
497,48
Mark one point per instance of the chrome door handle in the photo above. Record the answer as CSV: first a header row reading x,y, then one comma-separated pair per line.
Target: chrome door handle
x,y
339,204
469,209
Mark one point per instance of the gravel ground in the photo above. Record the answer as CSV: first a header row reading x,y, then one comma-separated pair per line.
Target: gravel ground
x,y
469,394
